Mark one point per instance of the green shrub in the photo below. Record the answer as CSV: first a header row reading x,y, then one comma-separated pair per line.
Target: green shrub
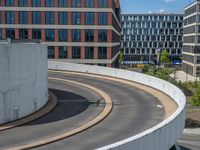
x,y
196,97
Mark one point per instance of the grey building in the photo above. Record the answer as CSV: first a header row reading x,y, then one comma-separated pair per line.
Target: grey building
x,y
143,35
191,45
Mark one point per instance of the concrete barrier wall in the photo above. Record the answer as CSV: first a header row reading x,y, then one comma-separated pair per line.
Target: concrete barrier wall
x,y
161,137
23,79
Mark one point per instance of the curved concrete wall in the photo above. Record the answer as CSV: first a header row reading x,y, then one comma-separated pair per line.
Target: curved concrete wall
x,y
161,137
23,79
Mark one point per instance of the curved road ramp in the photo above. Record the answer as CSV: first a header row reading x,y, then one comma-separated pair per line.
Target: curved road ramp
x,y
160,137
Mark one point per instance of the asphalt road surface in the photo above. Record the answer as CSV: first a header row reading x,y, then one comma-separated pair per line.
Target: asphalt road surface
x,y
134,111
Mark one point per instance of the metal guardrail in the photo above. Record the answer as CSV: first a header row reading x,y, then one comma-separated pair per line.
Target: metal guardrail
x,y
160,137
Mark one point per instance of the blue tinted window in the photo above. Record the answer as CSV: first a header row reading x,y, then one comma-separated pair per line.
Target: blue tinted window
x,y
51,52
76,35
62,34
102,35
36,17
36,3
103,3
49,34
10,17
76,3
23,17
89,3
63,18
49,3
62,3
76,18
23,3
103,18
49,17
9,2
89,18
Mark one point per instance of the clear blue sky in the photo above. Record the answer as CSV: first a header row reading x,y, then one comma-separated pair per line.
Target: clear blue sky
x,y
155,6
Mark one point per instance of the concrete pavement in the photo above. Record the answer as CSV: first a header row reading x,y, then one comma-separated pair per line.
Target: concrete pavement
x,y
134,111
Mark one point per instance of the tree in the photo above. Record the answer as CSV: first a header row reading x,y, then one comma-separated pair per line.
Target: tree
x,y
165,57
121,58
196,97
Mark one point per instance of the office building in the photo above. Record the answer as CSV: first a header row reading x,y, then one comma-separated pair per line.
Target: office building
x,y
145,35
191,45
81,31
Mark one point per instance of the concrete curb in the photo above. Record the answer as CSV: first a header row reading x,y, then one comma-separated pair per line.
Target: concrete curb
x,y
192,131
96,120
43,111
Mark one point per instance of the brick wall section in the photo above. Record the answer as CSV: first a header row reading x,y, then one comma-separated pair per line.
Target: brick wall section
x,y
56,52
109,32
3,2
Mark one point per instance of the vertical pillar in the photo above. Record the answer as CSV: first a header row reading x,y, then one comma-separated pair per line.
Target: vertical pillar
x,y
56,52
82,52
95,52
109,52
43,35
29,34
69,52
110,18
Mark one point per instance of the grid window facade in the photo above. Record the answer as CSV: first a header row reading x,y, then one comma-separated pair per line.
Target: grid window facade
x,y
143,35
64,26
191,48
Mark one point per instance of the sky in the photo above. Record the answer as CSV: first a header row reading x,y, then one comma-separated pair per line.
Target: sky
x,y
153,6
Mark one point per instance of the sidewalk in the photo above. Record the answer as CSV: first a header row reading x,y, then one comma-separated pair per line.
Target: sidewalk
x,y
183,77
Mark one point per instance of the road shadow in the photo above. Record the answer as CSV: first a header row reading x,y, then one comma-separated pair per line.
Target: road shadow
x,y
69,105
181,148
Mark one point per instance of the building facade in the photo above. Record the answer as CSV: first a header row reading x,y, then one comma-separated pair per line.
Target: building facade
x,y
81,31
191,45
145,35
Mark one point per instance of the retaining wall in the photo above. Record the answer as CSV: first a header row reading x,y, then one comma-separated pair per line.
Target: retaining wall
x,y
23,79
